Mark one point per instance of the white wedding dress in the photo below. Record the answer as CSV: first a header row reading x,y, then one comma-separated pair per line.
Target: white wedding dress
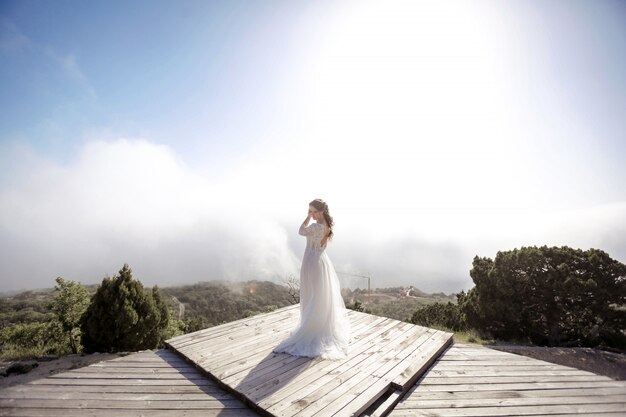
x,y
324,329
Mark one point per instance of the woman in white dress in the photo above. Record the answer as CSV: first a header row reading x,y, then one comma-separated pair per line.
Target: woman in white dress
x,y
324,329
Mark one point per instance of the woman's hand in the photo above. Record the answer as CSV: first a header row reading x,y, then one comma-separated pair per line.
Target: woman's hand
x,y
308,218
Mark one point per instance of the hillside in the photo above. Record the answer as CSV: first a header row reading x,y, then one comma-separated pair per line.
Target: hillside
x,y
214,302
218,302
396,302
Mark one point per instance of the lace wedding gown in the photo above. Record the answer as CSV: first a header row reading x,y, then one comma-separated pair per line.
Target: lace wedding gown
x,y
324,329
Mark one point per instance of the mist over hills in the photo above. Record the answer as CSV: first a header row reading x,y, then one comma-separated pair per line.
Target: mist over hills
x,y
215,302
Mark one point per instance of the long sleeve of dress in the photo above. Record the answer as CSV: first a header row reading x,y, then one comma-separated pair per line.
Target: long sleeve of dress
x,y
306,230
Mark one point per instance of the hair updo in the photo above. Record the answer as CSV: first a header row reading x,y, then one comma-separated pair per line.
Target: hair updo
x,y
320,205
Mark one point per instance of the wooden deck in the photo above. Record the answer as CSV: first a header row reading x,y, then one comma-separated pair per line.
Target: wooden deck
x,y
385,358
155,384
470,380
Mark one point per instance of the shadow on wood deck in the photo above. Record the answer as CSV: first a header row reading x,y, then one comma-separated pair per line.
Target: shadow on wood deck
x,y
466,380
385,359
158,384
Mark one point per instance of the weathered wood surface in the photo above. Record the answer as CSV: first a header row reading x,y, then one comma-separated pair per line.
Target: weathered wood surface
x,y
472,380
383,354
155,384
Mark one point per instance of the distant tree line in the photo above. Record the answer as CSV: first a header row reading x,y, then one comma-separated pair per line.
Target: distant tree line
x,y
212,303
554,296
121,315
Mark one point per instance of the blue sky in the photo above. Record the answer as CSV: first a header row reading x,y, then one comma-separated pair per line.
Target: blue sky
x,y
156,68
186,138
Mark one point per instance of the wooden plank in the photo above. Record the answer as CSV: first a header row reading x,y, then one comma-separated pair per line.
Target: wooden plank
x,y
310,380
383,408
595,409
258,347
156,355
411,343
476,365
200,380
266,342
478,383
226,350
111,370
212,350
211,388
326,366
234,331
275,365
416,359
525,385
413,367
456,353
512,379
609,414
469,360
505,402
122,372
356,400
313,384
238,333
104,395
339,398
530,393
330,388
104,391
210,404
368,397
225,327
130,375
137,365
259,362
157,362
63,412
448,373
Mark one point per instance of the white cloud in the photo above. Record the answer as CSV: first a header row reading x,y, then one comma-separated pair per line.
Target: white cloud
x,y
133,201
130,201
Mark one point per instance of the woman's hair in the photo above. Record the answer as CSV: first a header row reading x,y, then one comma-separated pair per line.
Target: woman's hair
x,y
320,205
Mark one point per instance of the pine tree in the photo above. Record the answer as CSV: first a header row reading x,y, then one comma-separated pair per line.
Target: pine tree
x,y
123,316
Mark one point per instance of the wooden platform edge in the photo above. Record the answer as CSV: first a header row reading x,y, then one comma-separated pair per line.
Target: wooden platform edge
x,y
250,404
425,367
396,392
385,394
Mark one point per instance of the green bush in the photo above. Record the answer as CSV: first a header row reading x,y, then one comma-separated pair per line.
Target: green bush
x,y
549,296
69,304
123,316
439,315
33,340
